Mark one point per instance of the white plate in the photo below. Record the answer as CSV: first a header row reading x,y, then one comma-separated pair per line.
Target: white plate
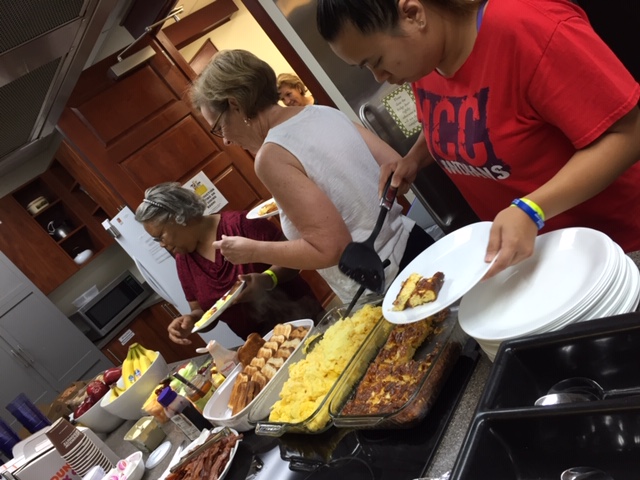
x,y
459,256
535,293
201,439
158,455
220,306
254,212
217,411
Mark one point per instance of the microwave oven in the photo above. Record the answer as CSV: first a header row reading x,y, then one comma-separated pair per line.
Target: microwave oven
x,y
111,306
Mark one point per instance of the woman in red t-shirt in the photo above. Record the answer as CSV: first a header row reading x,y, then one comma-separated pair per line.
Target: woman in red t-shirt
x,y
174,217
521,104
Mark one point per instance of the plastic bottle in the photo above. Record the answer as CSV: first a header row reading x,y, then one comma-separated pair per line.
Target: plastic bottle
x,y
182,412
205,390
225,359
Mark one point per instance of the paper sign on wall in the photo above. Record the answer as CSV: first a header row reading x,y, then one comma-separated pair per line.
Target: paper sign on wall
x,y
402,107
204,187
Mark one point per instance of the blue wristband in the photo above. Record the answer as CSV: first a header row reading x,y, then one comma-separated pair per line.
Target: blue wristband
x,y
531,213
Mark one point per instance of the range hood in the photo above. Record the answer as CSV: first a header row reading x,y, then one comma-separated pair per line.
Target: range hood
x,y
44,46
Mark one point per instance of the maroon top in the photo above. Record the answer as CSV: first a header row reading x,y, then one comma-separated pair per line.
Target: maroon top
x,y
205,281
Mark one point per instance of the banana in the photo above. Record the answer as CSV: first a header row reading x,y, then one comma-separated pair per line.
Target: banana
x,y
150,354
143,361
116,392
128,376
137,368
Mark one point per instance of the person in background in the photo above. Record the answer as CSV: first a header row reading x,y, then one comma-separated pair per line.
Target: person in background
x,y
521,103
320,167
174,217
293,92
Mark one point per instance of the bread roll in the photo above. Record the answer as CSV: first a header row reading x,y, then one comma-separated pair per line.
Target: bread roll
x,y
269,371
258,362
271,345
250,348
298,332
235,391
265,353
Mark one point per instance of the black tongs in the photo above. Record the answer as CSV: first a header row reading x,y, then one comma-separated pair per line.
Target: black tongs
x,y
360,261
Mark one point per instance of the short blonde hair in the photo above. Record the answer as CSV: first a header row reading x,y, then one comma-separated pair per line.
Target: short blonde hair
x,y
292,81
236,74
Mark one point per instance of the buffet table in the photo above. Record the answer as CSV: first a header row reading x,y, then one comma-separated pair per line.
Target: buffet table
x,y
268,449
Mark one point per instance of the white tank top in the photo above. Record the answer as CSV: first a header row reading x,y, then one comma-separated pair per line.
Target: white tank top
x,y
337,159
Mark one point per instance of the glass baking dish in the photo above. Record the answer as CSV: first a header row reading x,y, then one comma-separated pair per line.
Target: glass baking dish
x,y
443,346
318,421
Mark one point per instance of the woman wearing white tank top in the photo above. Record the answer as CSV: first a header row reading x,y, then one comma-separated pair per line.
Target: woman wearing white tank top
x,y
320,167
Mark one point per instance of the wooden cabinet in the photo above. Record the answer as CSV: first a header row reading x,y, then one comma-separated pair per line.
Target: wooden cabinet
x,y
25,236
149,329
41,351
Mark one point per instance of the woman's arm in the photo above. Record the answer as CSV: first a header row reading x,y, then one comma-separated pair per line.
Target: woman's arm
x,y
405,169
324,235
180,328
588,172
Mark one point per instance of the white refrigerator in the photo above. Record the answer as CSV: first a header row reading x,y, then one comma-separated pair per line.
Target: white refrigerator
x,y
158,268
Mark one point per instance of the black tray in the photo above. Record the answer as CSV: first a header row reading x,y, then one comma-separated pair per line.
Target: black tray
x,y
606,350
542,444
510,438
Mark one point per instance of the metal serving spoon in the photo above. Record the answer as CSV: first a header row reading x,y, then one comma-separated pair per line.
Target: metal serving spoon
x,y
580,389
584,473
560,398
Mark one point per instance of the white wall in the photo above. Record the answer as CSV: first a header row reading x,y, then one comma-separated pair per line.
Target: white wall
x,y
242,31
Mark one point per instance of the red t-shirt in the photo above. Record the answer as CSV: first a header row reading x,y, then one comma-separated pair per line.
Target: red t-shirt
x,y
205,281
538,85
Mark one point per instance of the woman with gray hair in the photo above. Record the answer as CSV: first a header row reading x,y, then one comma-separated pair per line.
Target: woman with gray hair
x,y
174,217
320,167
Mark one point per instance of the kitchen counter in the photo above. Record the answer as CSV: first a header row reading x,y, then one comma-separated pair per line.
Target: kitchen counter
x,y
449,447
443,460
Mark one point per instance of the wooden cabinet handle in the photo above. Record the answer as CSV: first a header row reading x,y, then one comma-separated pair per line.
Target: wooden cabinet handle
x,y
171,310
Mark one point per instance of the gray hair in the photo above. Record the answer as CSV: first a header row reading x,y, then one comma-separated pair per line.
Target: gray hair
x,y
170,201
236,74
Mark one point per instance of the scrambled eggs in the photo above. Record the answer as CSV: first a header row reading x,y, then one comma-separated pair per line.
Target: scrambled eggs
x,y
311,378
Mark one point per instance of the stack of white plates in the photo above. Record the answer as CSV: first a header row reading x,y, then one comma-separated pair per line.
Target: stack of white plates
x,y
575,274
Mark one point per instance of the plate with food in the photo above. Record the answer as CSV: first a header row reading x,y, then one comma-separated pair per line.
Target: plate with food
x,y
439,276
211,453
220,306
266,209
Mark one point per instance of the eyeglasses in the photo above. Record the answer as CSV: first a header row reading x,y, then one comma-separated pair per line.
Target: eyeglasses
x,y
215,130
159,238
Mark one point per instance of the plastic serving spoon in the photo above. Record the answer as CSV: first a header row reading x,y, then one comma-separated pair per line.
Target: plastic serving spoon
x,y
360,291
584,473
360,261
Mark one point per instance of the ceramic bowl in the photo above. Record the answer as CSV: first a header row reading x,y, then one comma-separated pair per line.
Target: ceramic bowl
x,y
128,405
98,419
83,256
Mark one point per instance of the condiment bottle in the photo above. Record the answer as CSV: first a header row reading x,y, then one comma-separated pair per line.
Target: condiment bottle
x,y
201,396
225,359
182,412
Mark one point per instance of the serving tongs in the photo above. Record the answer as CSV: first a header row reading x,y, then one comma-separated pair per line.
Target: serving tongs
x,y
360,261
360,291
198,450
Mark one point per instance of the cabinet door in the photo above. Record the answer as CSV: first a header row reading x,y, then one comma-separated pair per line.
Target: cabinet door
x,y
149,329
17,376
44,337
31,248
142,130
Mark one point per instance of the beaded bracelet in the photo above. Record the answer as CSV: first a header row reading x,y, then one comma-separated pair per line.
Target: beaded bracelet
x,y
534,212
273,276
